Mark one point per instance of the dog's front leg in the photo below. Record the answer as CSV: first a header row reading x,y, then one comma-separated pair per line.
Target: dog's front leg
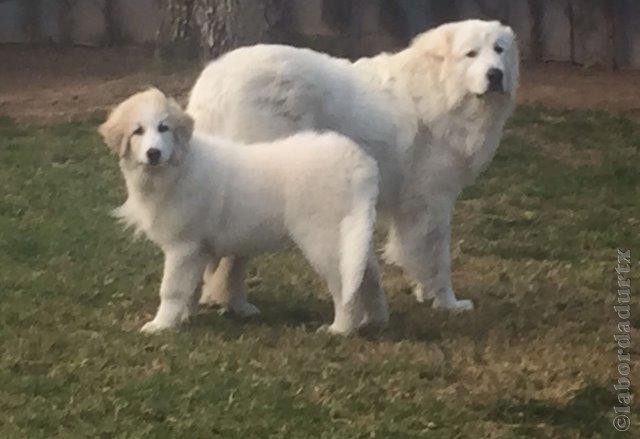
x,y
183,269
437,282
419,241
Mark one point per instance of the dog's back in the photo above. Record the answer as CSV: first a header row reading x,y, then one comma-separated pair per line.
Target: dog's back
x,y
291,183
266,92
309,170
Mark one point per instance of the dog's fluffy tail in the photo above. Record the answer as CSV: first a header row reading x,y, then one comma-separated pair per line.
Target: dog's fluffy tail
x,y
356,229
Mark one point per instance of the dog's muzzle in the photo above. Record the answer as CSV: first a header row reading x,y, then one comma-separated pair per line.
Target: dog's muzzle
x,y
496,80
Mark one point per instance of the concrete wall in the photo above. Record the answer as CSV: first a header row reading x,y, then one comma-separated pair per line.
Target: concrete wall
x,y
587,32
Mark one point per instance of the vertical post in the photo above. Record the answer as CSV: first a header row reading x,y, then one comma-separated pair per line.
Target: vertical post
x,y
572,32
112,28
31,23
535,7
609,14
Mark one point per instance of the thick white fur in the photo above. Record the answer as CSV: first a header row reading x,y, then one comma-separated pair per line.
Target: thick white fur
x,y
207,198
426,114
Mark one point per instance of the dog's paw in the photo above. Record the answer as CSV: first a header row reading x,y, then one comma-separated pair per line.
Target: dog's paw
x,y
245,310
334,330
189,312
371,327
376,320
421,294
210,301
153,327
453,305
376,324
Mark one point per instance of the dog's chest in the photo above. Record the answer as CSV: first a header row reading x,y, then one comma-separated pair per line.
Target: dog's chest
x,y
162,222
453,151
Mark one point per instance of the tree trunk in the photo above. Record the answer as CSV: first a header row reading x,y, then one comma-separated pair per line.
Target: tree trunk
x,y
209,28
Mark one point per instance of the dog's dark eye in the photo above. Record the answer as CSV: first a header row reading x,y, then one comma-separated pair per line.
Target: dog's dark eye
x,y
498,49
472,54
163,128
138,131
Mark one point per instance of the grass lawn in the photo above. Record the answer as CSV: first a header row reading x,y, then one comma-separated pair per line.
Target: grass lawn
x,y
535,246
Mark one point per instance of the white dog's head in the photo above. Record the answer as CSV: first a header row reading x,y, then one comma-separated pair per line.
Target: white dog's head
x,y
148,129
480,55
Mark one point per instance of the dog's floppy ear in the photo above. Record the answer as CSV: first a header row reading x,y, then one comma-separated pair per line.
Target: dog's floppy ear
x,y
509,30
181,121
435,43
112,131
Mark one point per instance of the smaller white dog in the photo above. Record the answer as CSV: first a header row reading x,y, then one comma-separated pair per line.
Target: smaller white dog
x,y
200,198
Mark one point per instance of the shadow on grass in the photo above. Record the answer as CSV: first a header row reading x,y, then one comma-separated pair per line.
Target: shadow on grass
x,y
275,312
419,322
409,321
586,412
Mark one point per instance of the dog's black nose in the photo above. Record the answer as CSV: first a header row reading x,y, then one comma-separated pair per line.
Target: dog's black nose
x,y
495,79
153,154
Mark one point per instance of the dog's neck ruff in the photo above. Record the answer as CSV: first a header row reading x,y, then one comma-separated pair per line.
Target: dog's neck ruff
x,y
445,118
148,189
431,104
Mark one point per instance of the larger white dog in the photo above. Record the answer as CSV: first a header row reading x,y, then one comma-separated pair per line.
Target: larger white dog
x,y
431,115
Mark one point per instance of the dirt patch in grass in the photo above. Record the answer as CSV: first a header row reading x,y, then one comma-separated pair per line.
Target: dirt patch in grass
x,y
564,86
51,85
48,85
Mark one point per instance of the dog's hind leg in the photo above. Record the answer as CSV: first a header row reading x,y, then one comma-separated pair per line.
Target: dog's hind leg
x,y
320,246
376,310
224,286
360,300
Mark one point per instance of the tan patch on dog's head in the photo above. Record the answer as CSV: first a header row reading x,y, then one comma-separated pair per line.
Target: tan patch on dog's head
x,y
181,121
130,115
435,43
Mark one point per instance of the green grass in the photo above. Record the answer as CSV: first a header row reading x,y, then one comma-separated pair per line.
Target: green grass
x,y
534,246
